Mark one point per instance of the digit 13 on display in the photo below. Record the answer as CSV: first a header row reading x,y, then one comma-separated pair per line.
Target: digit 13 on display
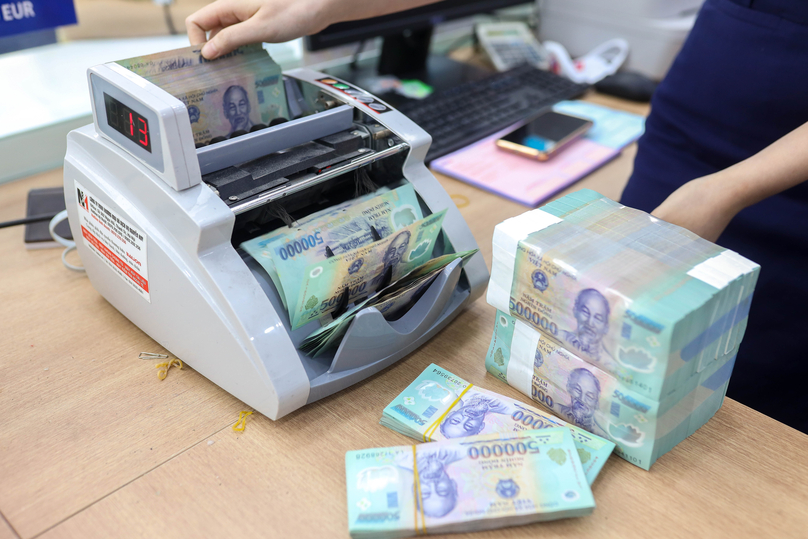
x,y
127,122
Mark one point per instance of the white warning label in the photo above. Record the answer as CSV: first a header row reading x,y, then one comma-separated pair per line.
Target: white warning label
x,y
115,240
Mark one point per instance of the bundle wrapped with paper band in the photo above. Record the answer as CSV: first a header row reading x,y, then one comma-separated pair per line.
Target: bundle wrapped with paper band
x,y
620,323
469,484
439,405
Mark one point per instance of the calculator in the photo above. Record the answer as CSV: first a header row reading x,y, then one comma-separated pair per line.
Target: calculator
x,y
510,44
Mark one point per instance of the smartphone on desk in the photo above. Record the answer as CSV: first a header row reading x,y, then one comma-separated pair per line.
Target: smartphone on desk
x,y
545,135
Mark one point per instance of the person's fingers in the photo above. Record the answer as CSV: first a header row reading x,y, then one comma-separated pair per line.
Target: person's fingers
x,y
196,34
232,37
219,14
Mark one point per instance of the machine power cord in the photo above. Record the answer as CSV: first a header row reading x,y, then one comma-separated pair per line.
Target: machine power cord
x,y
69,244
27,220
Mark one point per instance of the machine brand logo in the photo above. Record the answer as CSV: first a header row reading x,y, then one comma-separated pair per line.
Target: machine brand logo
x,y
83,200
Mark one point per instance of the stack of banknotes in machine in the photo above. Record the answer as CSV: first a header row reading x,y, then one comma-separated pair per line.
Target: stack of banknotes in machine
x,y
466,484
233,95
374,251
621,324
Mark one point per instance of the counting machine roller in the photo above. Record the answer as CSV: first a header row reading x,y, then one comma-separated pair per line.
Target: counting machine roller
x,y
158,223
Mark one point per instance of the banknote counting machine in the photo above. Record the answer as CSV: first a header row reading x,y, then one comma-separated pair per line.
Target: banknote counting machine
x,y
158,222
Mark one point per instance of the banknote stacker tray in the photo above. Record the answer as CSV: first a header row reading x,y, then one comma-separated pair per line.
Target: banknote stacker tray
x,y
159,229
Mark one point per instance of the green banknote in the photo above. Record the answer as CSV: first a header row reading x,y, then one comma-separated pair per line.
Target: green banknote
x,y
234,100
592,399
316,291
257,247
223,96
392,299
288,250
439,405
153,65
391,302
468,484
431,266
395,304
390,307
209,106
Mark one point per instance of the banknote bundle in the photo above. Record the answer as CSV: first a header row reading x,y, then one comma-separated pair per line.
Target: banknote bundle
x,y
620,323
319,287
439,405
391,302
466,484
333,231
346,255
584,395
231,95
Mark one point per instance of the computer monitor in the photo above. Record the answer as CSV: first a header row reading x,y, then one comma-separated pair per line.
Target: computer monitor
x,y
406,34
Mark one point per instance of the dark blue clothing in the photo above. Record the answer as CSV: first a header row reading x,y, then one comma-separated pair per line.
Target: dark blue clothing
x,y
739,84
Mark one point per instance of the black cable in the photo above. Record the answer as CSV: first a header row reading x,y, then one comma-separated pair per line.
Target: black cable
x,y
27,220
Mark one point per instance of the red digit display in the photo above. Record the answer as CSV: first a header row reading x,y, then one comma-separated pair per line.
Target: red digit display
x,y
144,131
124,120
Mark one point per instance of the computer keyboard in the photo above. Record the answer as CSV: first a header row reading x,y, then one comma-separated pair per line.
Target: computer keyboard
x,y
474,110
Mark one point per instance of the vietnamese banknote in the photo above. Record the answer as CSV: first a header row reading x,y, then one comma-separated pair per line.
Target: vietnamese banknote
x,y
225,96
439,405
318,289
390,302
153,65
257,248
590,398
467,484
333,233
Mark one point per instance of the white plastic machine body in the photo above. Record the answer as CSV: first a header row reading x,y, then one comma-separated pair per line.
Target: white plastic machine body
x,y
185,282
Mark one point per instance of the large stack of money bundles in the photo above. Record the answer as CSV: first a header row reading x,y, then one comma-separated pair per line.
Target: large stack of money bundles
x,y
621,324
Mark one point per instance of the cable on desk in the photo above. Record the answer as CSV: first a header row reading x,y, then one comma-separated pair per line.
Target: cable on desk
x,y
69,244
28,220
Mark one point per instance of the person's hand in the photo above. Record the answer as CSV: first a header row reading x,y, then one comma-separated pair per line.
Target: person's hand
x,y
707,205
704,206
233,23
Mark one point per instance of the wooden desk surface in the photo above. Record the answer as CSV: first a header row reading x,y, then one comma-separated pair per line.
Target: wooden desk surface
x,y
92,444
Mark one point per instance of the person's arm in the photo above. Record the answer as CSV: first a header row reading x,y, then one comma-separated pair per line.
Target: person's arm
x,y
233,23
707,205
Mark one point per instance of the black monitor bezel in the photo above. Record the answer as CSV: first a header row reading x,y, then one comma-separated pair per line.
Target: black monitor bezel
x,y
422,17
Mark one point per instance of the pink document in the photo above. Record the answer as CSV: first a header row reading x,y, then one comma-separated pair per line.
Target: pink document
x,y
531,182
